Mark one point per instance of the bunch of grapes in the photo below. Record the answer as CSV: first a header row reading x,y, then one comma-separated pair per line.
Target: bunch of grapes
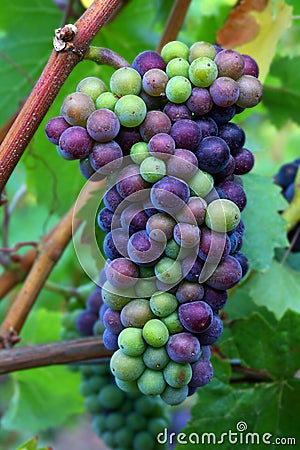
x,y
285,178
164,138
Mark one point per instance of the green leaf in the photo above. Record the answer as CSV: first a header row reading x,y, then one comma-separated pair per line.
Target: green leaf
x,y
286,72
42,326
265,228
43,398
278,289
275,349
295,4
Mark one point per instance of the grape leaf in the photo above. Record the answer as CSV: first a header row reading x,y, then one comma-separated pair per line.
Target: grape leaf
x,y
32,444
265,228
295,4
278,289
286,71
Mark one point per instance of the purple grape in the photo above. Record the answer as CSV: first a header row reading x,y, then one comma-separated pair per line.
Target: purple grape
x,y
286,174
226,173
85,322
186,235
235,193
191,268
127,137
169,194
153,103
103,125
240,228
121,273
222,115
162,145
251,67
75,143
55,127
215,298
207,126
160,227
244,161
112,321
112,199
289,192
213,246
154,82
94,300
133,219
195,317
200,101
243,260
186,134
224,91
86,169
76,108
189,292
183,164
251,91
177,111
106,158
110,341
193,212
155,122
130,184
104,219
115,244
213,154
213,333
143,250
102,310
230,63
183,348
233,135
147,60
227,274
202,373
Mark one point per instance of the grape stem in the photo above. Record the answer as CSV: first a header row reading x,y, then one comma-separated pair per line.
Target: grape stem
x,y
55,73
53,353
292,212
102,55
69,291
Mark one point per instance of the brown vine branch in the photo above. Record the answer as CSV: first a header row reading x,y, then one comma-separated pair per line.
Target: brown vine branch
x,y
174,23
55,73
102,55
16,247
53,353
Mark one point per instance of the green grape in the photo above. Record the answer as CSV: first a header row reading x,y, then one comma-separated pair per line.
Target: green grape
x,y
173,396
99,424
85,389
178,89
203,71
177,66
222,215
144,440
106,100
155,333
146,272
138,152
109,438
145,287
96,383
131,110
124,437
92,86
136,422
127,386
151,382
174,49
92,404
114,421
125,367
201,183
157,425
131,341
163,304
125,81
177,375
168,271
153,169
114,297
202,48
172,249
156,358
111,397
136,313
173,323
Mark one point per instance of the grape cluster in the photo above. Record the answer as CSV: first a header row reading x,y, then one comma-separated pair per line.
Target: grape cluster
x,y
164,138
285,178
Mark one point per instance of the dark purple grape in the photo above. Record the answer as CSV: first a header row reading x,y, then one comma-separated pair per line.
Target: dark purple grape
x,y
147,60
186,134
234,242
106,158
162,145
104,219
202,373
169,194
222,115
235,193
183,348
112,321
183,164
143,250
200,101
251,67
233,135
244,161
196,317
227,274
206,352
286,174
127,137
85,322
154,82
224,91
55,127
155,122
191,268
213,333
207,126
103,308
289,192
86,169
224,174
243,260
103,125
240,228
193,212
121,273
213,246
112,199
115,244
75,143
130,184
216,298
230,63
110,340
94,300
189,292
177,111
153,103
213,154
